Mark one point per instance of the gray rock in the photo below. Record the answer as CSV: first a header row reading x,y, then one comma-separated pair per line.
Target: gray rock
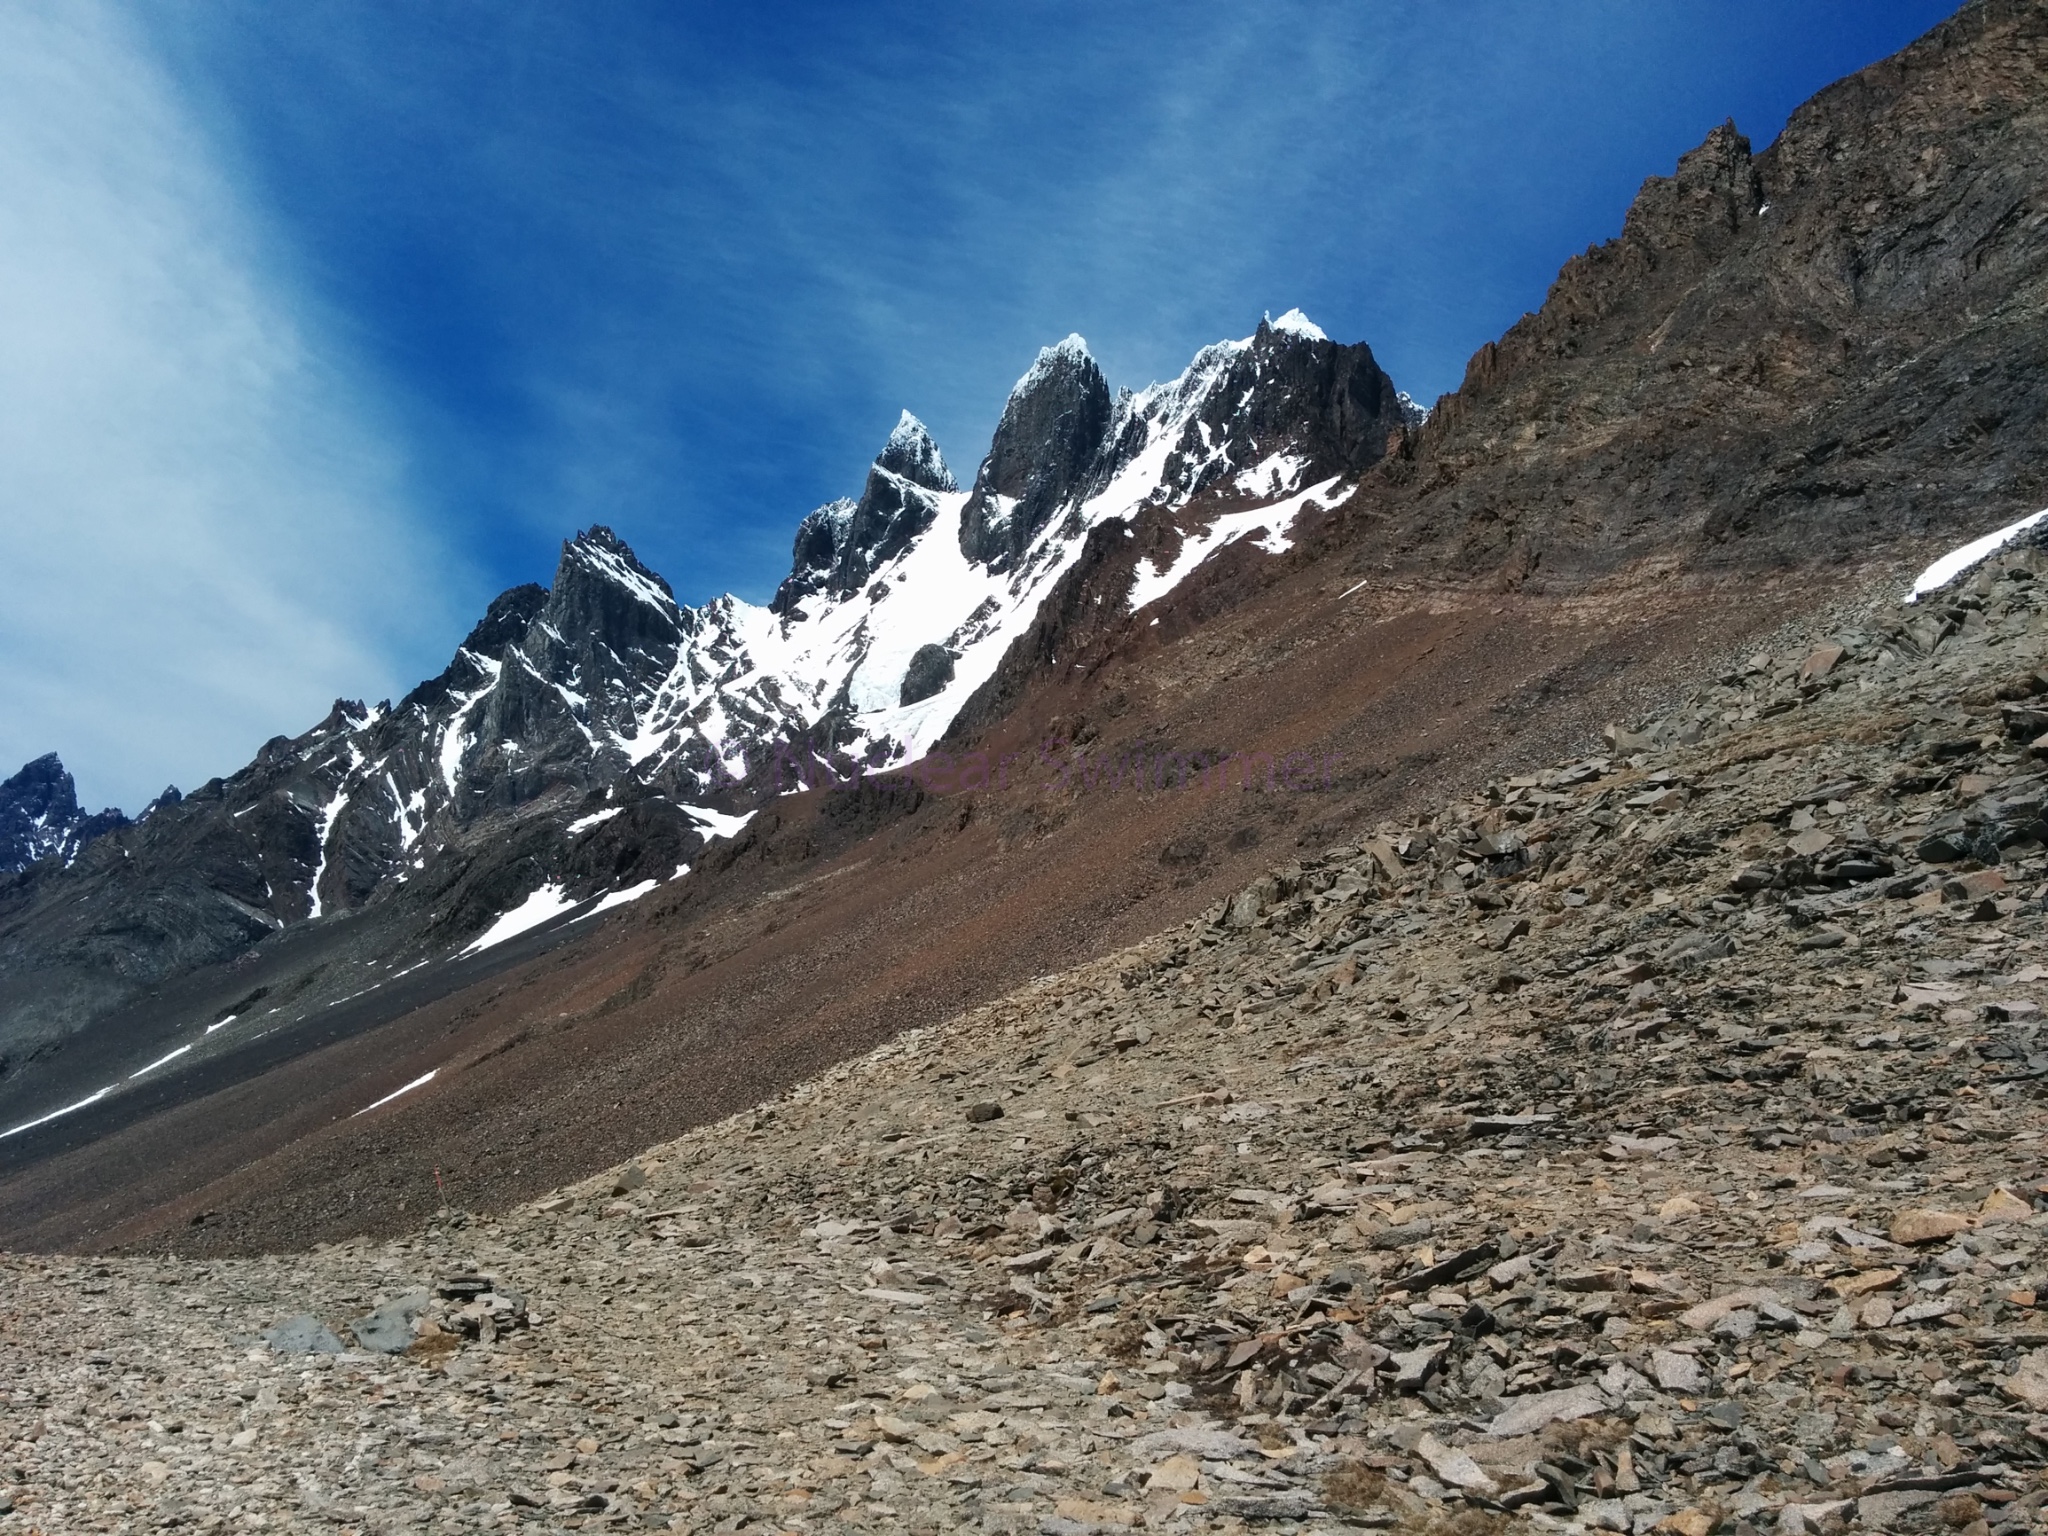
x,y
1293,1504
1675,1372
388,1330
1739,1324
1413,1368
929,673
1881,1511
1526,1415
1203,1444
303,1335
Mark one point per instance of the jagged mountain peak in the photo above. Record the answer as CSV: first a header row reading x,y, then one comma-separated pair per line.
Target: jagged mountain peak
x,y
839,546
1052,426
604,597
602,551
40,815
1070,351
47,770
1295,323
347,715
912,453
511,611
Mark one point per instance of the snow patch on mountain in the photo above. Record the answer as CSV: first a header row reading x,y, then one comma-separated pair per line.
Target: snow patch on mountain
x,y
1295,323
323,830
1957,561
718,823
419,1082
1269,528
620,898
541,906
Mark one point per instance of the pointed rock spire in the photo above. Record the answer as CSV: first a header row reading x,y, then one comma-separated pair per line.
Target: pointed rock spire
x,y
911,453
843,543
40,816
1052,425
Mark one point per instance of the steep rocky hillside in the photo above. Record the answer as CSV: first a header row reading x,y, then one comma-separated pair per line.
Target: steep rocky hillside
x,y
1785,356
1651,1142
1180,632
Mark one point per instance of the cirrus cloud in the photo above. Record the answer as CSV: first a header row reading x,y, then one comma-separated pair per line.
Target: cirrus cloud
x,y
204,535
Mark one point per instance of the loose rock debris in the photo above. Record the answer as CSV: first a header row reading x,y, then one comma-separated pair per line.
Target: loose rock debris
x,y
1654,1145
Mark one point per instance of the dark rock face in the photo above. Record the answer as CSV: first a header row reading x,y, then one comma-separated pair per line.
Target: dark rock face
x,y
839,546
930,670
1045,444
815,556
40,817
1292,393
1289,393
1792,354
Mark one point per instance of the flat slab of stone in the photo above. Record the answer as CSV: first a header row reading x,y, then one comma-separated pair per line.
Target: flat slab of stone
x,y
303,1335
388,1330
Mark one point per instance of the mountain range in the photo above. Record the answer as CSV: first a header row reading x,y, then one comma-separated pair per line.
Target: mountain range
x,y
697,852
589,737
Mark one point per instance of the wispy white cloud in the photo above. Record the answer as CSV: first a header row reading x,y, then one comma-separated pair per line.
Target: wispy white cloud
x,y
204,534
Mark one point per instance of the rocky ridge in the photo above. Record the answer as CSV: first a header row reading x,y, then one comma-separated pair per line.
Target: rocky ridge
x,y
1653,1143
591,737
40,817
1786,354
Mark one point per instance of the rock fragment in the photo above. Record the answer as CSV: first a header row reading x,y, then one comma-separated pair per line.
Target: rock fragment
x,y
303,1335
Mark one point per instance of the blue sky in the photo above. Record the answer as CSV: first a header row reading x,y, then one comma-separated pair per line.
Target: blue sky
x,y
342,315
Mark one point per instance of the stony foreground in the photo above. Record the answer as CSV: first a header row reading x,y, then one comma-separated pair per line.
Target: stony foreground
x,y
1653,1145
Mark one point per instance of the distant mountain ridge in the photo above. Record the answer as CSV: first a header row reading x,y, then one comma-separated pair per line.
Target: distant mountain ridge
x,y
589,737
40,817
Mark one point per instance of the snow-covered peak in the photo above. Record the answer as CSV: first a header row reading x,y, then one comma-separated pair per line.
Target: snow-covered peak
x,y
634,727
1068,351
1295,323
600,551
912,453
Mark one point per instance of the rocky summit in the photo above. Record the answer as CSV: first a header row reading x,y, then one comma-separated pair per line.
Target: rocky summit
x,y
1651,1143
40,817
